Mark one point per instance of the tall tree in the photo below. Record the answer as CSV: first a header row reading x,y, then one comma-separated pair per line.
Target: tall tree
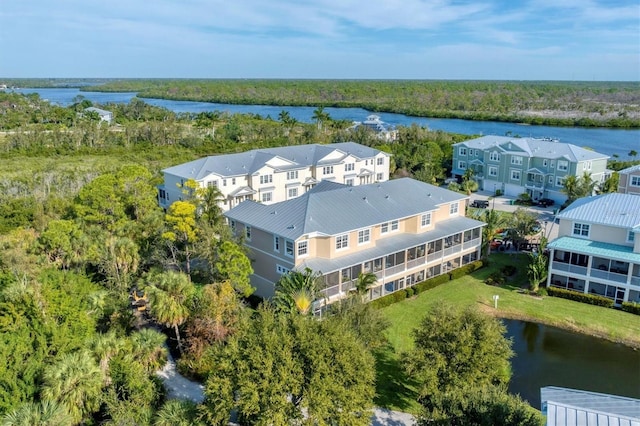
x,y
41,413
494,222
182,232
296,291
538,267
232,264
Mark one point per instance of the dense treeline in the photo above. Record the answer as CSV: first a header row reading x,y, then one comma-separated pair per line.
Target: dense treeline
x,y
589,104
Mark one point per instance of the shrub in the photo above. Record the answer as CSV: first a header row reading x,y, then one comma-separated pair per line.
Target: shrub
x,y
631,307
389,299
591,299
431,283
496,278
466,269
410,291
542,291
509,270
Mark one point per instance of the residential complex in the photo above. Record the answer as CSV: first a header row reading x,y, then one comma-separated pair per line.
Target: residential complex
x,y
518,165
403,230
277,174
629,180
598,248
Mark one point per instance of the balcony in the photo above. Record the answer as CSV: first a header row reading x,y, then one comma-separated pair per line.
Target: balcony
x,y
471,243
567,267
610,276
529,184
416,262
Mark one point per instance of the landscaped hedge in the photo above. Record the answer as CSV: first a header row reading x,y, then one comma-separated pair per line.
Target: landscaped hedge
x,y
400,295
631,307
591,299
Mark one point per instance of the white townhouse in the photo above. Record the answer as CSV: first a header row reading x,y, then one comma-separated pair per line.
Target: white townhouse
x,y
518,165
598,248
403,230
272,175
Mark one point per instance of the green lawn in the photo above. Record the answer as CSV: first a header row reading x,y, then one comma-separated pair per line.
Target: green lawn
x,y
396,392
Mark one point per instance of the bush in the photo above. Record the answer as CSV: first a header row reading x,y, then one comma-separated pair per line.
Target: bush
x,y
509,270
466,269
631,307
542,291
496,278
389,299
431,283
410,291
591,299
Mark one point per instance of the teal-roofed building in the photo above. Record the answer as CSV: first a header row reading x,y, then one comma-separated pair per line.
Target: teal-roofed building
x,y
598,248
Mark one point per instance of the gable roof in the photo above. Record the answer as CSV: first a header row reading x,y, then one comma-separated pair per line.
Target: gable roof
x,y
630,169
297,156
619,210
532,147
332,209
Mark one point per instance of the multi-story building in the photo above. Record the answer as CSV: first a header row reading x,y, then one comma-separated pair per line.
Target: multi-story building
x,y
403,230
518,165
629,180
598,247
272,175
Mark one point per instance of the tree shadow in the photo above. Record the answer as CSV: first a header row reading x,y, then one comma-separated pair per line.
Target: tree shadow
x,y
394,389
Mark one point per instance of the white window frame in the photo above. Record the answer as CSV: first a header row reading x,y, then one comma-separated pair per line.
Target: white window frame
x,y
266,197
550,180
394,225
364,236
380,161
631,236
513,174
247,232
327,170
384,227
462,165
545,162
462,151
379,177
425,219
494,156
634,180
264,179
233,181
292,175
349,167
581,230
289,248
303,248
348,182
342,242
516,160
212,184
282,270
560,180
563,165
493,171
292,192
453,209
276,243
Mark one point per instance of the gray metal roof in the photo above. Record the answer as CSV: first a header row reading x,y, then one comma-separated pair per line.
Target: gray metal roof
x,y
592,401
619,210
630,169
392,244
297,156
336,209
540,148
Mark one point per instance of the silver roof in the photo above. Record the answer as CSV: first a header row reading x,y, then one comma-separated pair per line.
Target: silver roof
x,y
333,209
533,147
630,169
592,401
619,210
249,162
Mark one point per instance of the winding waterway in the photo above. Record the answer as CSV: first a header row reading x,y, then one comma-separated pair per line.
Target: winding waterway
x,y
607,141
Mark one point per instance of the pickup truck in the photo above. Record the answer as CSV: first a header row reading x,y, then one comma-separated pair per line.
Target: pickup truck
x,y
480,204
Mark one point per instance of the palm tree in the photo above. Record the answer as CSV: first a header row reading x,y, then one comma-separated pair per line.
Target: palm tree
x,y
149,347
43,413
105,347
76,383
537,270
319,116
493,222
177,413
297,290
364,282
170,294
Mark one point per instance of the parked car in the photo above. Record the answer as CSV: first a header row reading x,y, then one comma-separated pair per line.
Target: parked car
x,y
546,202
480,204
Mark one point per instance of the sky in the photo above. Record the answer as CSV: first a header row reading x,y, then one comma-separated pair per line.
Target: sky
x,y
334,39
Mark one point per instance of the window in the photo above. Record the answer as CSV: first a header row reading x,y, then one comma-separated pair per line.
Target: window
x,y
292,175
563,165
292,192
462,164
559,181
630,237
395,225
384,228
348,182
545,162
266,197
364,236
276,243
342,241
477,153
233,181
379,177
462,151
233,225
515,174
552,164
247,232
425,219
550,180
494,156
635,180
581,230
516,159
288,248
453,208
380,161
586,165
327,170
303,248
349,167
224,182
493,171
266,179
212,184
282,270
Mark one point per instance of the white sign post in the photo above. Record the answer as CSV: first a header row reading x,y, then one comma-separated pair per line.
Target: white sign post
x,y
495,301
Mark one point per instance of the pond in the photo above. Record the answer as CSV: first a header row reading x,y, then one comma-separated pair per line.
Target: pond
x,y
549,356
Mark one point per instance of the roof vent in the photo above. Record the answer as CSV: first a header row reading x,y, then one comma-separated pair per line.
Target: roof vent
x,y
274,212
364,198
429,195
291,227
386,196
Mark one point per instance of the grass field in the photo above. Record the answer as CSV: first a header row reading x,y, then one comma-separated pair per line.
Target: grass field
x,y
397,392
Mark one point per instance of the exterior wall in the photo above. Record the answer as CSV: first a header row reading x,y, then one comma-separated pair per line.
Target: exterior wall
x,y
602,233
625,185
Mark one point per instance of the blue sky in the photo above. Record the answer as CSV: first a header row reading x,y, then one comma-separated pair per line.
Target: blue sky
x,y
392,39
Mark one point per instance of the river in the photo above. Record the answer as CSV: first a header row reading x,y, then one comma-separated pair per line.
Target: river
x,y
604,140
549,356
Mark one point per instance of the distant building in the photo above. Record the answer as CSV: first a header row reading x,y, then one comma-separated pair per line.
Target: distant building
x,y
272,175
629,180
403,230
517,165
571,407
105,115
382,130
598,248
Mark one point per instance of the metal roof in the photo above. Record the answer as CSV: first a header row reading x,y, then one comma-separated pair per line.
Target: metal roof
x,y
532,147
619,210
333,209
249,162
595,248
621,406
630,169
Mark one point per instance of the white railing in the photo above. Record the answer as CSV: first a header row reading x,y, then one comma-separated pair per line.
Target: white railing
x,y
567,267
471,243
416,262
611,276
